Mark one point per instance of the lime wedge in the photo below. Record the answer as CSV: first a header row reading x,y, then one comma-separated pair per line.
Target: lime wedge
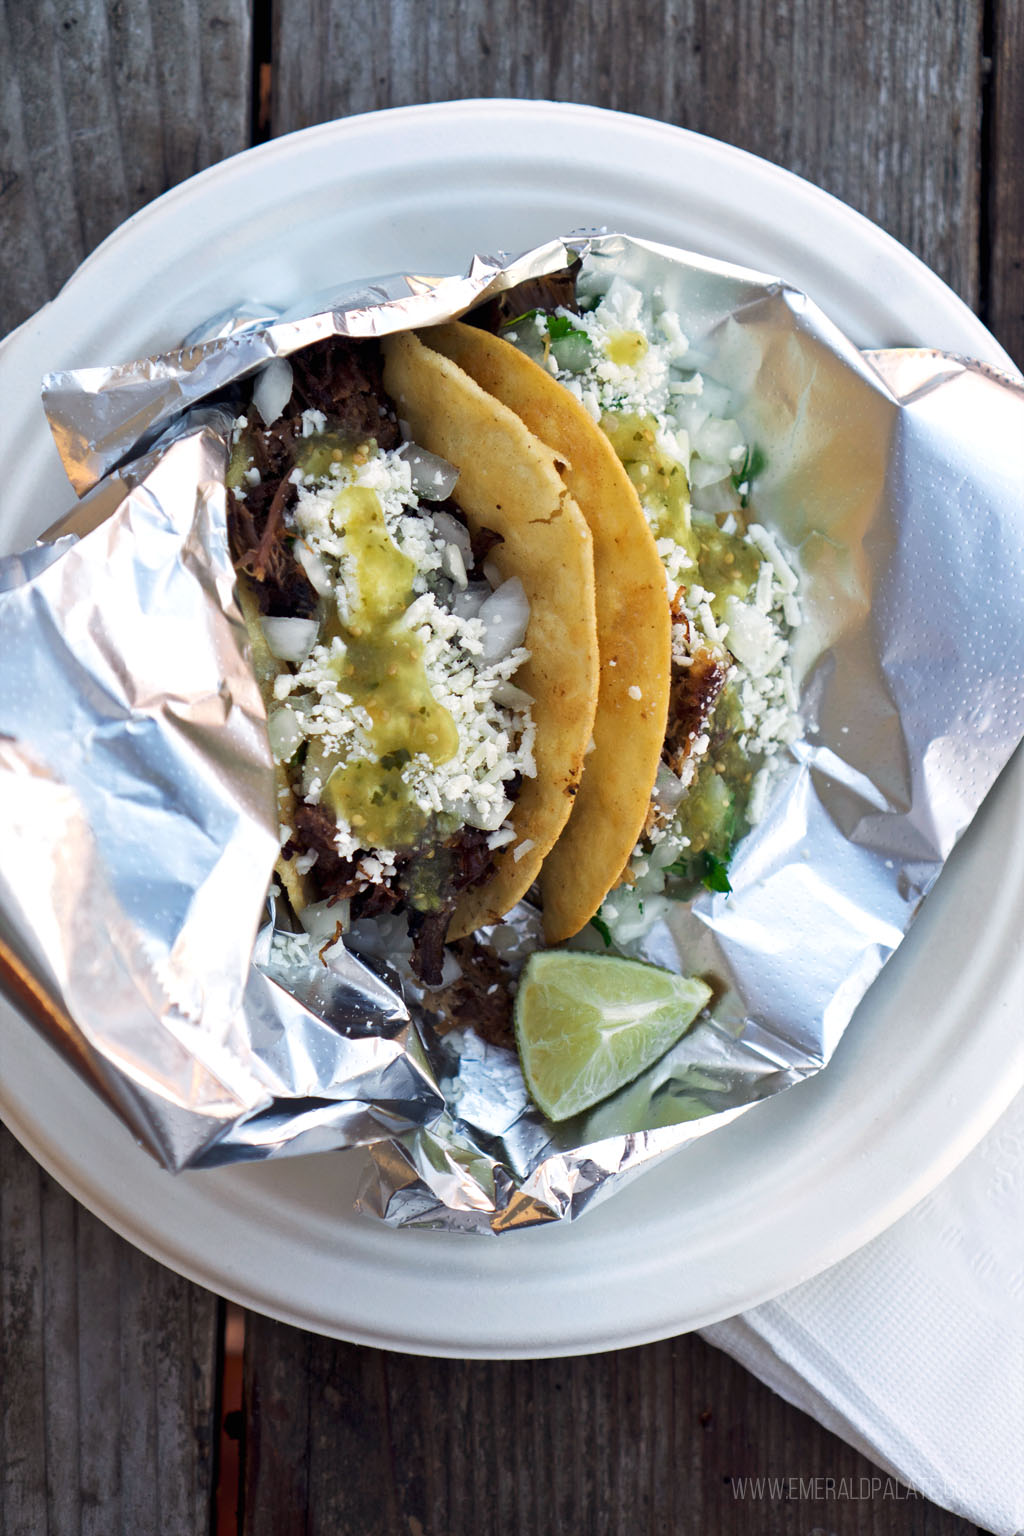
x,y
587,1024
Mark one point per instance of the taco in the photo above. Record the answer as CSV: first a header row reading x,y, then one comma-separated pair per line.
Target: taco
x,y
694,595
633,629
420,599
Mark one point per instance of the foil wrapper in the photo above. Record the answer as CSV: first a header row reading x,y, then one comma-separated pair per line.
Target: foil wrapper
x,y
138,826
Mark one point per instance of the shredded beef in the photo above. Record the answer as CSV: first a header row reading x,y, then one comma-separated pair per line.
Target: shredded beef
x,y
555,291
428,930
693,694
465,860
256,526
375,900
481,542
345,380
331,875
480,998
472,857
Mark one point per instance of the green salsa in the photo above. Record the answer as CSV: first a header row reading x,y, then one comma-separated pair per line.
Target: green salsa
x,y
661,481
711,815
727,565
380,668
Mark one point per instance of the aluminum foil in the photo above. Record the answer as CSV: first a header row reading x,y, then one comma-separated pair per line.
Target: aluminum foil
x,y
897,477
138,836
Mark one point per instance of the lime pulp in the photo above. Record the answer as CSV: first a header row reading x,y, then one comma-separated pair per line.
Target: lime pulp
x,y
588,1024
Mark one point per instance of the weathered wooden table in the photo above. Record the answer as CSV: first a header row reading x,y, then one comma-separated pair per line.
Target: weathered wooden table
x,y
122,1401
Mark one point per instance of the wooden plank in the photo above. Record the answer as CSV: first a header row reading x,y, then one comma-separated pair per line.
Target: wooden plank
x,y
104,104
878,103
276,1428
108,1386
22,1414
1005,274
642,1441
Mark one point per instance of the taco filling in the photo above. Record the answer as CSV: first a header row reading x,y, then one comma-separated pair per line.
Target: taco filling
x,y
386,640
730,593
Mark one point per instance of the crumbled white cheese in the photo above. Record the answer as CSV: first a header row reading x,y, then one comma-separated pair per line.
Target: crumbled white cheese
x,y
495,739
313,422
693,425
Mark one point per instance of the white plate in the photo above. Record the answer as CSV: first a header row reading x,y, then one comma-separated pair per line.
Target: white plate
x,y
935,1052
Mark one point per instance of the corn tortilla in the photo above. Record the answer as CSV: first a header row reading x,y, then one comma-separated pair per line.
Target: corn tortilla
x,y
508,482
633,627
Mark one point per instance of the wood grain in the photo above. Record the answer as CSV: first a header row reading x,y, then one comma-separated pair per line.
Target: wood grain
x,y
1005,179
878,103
344,1441
104,104
107,1384
109,1371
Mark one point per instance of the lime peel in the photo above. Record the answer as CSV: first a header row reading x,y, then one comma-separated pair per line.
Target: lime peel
x,y
588,1024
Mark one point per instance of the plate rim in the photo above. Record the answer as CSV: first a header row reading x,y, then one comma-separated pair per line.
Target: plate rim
x,y
529,108
969,1134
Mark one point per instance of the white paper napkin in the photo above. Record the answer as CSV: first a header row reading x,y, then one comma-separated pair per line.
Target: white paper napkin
x,y
912,1349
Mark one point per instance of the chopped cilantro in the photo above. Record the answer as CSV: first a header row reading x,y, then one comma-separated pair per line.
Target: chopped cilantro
x,y
560,326
603,929
528,314
711,871
716,874
753,463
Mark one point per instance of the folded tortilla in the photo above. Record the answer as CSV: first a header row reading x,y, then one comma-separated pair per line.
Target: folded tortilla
x,y
633,627
512,483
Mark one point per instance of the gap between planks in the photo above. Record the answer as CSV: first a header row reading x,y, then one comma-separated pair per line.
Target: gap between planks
x,y
230,1423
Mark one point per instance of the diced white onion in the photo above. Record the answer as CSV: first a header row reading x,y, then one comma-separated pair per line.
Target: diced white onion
x,y
433,478
691,416
504,939
630,921
663,854
717,497
506,613
321,919
717,439
290,639
668,788
454,532
468,602
703,472
453,565
285,734
382,938
273,389
717,398
451,970
313,567
512,697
